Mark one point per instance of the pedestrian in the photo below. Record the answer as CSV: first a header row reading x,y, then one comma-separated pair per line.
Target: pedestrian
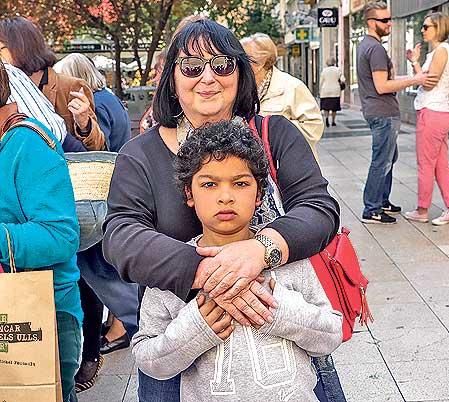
x,y
432,119
100,283
380,107
331,81
281,93
37,211
222,173
207,78
23,46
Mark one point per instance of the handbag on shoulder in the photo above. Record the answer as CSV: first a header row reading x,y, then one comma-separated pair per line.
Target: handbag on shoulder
x,y
337,266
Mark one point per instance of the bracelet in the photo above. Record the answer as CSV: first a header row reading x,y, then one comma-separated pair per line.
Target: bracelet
x,y
87,130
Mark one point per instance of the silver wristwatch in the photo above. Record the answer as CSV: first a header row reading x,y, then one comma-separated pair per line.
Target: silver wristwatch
x,y
273,254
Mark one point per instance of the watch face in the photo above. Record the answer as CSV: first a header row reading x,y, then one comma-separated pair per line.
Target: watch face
x,y
275,257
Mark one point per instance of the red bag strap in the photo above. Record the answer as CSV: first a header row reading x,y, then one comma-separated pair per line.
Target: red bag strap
x,y
266,143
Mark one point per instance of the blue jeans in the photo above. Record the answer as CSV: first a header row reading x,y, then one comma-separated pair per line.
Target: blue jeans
x,y
385,132
120,297
328,388
69,342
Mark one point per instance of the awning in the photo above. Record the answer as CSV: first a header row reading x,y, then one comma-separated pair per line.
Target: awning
x,y
404,8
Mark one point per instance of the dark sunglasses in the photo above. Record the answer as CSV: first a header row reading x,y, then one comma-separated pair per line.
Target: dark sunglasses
x,y
383,20
426,27
193,66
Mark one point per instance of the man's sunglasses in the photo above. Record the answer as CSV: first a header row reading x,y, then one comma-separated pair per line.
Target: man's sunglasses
x,y
193,66
383,20
426,27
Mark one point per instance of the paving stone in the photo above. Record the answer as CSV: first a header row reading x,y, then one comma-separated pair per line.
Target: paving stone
x,y
120,362
411,344
422,380
368,383
392,293
110,388
361,346
131,390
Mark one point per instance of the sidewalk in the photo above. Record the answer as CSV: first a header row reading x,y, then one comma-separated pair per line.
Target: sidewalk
x,y
404,354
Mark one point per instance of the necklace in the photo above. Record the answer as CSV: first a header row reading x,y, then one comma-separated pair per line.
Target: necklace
x,y
184,129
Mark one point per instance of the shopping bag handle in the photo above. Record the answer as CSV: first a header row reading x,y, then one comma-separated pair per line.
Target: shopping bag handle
x,y
12,262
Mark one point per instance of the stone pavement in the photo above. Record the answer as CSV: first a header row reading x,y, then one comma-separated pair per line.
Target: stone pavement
x,y
404,354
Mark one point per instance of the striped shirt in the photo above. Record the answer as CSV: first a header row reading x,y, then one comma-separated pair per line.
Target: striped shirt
x,y
32,102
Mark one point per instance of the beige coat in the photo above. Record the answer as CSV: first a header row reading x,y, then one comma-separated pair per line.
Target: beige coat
x,y
329,85
289,97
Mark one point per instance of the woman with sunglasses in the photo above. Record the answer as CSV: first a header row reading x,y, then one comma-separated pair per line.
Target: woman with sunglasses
x,y
207,78
432,120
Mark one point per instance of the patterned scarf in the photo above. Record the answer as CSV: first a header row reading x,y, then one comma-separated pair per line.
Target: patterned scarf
x,y
262,89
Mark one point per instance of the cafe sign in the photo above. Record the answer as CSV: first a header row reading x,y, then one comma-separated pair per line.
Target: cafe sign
x,y
327,17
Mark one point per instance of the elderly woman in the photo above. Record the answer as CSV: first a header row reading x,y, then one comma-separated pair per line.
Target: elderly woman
x,y
281,93
23,45
207,78
331,81
100,283
43,228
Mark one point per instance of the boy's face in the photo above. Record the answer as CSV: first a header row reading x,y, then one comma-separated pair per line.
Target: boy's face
x,y
225,195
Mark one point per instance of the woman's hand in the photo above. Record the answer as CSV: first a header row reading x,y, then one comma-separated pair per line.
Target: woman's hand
x,y
79,107
231,269
414,54
216,317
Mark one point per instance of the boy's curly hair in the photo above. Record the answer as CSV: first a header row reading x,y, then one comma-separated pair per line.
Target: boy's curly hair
x,y
218,141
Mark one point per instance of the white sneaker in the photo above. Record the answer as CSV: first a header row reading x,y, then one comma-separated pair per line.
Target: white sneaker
x,y
441,220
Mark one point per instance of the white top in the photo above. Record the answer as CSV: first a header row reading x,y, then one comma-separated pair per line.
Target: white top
x,y
329,86
436,99
32,102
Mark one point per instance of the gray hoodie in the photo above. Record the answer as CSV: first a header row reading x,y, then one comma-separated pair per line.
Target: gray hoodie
x,y
270,364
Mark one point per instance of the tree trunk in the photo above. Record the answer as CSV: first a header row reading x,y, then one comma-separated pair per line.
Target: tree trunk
x,y
165,11
117,71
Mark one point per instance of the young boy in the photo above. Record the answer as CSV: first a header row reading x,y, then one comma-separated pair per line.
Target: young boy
x,y
222,172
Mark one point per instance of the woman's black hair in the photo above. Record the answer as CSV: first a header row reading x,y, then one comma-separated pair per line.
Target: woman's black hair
x,y
5,90
218,141
204,36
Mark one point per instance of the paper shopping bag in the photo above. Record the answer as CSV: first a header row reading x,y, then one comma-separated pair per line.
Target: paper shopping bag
x,y
28,343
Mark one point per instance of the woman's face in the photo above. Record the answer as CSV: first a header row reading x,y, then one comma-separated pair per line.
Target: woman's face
x,y
428,30
208,97
5,54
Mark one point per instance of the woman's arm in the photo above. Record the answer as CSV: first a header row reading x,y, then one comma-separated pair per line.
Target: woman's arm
x,y
50,233
131,244
437,66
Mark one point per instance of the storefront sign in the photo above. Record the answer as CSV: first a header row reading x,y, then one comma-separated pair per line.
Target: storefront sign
x,y
357,5
327,17
296,51
302,35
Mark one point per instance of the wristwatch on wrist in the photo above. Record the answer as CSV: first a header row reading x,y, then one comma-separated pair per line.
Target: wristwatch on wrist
x,y
273,254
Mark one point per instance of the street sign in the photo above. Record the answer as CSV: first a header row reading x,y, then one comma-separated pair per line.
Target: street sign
x,y
302,35
296,51
327,17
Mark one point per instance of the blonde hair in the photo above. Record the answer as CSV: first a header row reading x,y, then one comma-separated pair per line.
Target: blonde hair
x,y
266,51
370,8
79,66
441,22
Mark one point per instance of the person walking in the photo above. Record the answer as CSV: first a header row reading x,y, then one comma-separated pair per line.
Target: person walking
x,y
432,119
331,82
281,93
380,107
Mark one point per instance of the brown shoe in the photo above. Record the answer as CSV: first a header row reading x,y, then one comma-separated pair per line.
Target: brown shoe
x,y
87,374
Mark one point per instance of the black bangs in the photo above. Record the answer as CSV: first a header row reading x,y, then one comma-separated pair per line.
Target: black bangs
x,y
206,36
201,37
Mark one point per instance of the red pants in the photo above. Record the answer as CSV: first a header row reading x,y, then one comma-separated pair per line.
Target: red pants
x,y
432,129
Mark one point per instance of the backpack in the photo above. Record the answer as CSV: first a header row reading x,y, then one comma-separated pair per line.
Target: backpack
x,y
337,266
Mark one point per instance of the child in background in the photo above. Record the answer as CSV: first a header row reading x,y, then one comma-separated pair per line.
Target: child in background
x,y
222,171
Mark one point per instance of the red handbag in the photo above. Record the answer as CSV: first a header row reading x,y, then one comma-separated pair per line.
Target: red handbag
x,y
337,266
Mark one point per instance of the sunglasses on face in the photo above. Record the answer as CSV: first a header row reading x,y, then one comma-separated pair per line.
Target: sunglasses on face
x,y
383,20
193,66
426,27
